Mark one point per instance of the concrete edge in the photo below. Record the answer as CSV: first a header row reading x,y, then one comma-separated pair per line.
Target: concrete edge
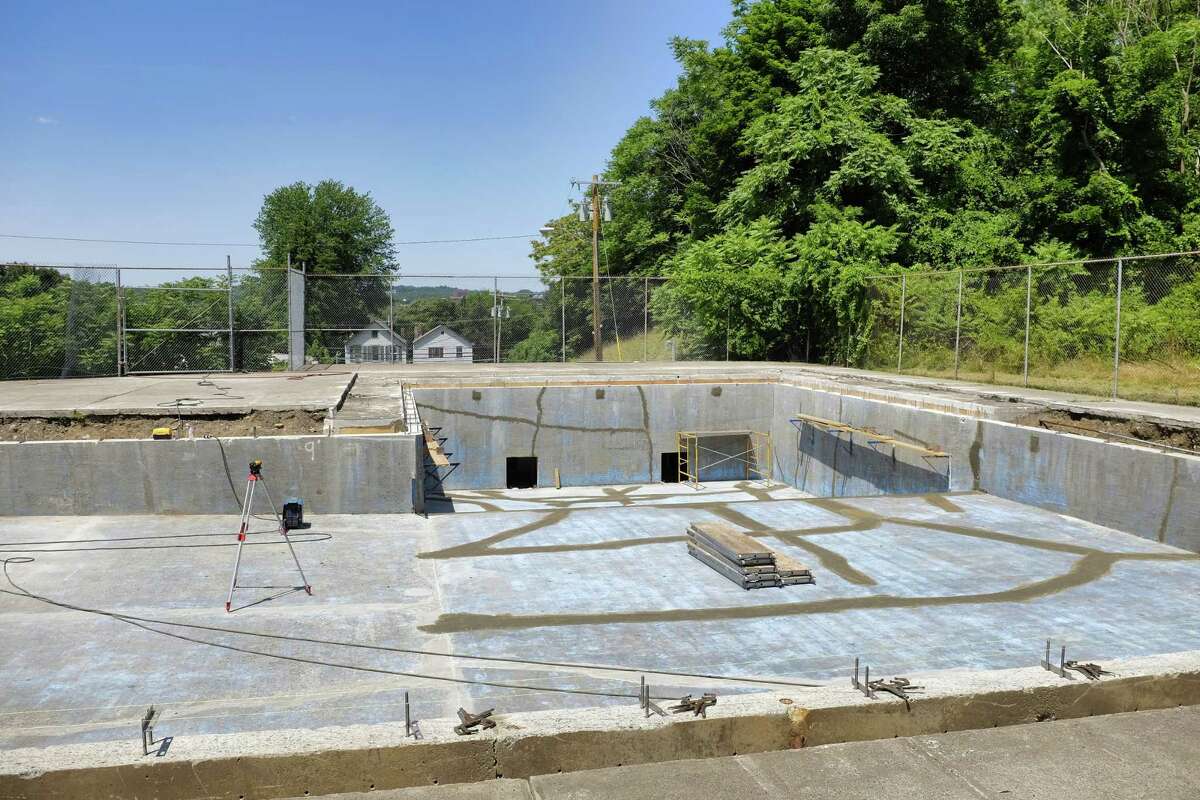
x,y
274,764
168,442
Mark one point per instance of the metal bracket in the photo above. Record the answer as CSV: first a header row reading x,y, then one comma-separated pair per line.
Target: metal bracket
x,y
898,686
1059,669
865,685
645,703
148,729
470,721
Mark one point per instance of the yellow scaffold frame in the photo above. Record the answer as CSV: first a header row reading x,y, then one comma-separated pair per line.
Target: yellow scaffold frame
x,y
688,447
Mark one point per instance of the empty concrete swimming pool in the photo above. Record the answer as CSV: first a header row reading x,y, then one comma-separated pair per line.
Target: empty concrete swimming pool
x,y
596,576
943,536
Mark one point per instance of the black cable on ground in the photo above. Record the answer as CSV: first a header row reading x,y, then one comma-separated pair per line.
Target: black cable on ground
x,y
139,622
297,538
22,592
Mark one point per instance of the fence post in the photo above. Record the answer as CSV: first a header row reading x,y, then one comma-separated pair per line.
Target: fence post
x,y
295,290
562,285
900,349
958,322
229,274
1117,334
495,320
120,326
727,317
1028,303
646,320
391,321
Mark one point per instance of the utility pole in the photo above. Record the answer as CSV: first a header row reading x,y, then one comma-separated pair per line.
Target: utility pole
x,y
596,269
596,206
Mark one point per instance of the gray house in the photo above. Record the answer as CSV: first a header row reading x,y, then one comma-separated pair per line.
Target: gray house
x,y
442,345
376,344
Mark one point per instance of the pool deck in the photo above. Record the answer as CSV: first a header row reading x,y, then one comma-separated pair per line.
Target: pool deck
x,y
319,387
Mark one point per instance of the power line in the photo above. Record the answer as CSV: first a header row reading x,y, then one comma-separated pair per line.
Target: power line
x,y
246,244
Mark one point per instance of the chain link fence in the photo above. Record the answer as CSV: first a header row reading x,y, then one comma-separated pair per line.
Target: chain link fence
x,y
1126,327
60,321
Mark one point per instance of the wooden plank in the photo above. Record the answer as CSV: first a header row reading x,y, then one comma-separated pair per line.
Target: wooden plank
x,y
749,571
871,435
734,545
728,571
788,567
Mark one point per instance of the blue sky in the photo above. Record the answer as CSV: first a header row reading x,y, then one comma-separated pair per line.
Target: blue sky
x,y
170,121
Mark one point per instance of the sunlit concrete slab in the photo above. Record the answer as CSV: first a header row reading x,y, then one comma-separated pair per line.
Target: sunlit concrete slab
x,y
218,393
586,577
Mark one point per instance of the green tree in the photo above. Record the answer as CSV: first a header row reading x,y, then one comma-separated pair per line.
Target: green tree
x,y
343,241
328,227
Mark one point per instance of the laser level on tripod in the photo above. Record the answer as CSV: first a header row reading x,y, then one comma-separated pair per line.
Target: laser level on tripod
x,y
252,481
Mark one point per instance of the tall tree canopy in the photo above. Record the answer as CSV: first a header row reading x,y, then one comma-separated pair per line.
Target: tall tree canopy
x,y
824,140
329,227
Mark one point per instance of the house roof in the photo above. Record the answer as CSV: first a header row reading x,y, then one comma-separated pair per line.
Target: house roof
x,y
433,333
381,326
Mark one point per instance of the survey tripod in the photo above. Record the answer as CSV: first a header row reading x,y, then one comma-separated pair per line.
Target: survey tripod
x,y
253,480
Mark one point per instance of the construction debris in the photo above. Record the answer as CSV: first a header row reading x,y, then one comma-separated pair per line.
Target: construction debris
x,y
470,722
697,705
742,558
1089,670
901,687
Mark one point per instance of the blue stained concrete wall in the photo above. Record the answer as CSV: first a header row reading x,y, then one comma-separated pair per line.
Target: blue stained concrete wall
x,y
826,464
1138,490
592,440
333,474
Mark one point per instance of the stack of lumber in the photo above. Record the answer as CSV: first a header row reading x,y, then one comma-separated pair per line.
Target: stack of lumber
x,y
742,558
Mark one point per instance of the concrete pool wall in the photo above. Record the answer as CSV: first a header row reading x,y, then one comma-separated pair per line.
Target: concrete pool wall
x,y
333,474
605,434
616,432
593,435
1139,490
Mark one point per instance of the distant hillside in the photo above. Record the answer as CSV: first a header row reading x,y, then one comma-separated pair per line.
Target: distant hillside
x,y
411,293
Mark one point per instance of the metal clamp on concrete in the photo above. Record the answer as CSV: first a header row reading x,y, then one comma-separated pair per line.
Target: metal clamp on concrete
x,y
698,705
1090,671
471,721
898,686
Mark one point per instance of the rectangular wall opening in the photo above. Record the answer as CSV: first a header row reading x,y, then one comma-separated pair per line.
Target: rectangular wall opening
x,y
521,472
670,468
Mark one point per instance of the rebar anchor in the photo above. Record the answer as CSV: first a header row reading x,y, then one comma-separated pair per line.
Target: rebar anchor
x,y
645,703
1089,670
148,729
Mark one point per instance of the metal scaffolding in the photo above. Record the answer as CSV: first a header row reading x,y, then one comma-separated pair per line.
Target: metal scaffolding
x,y
757,453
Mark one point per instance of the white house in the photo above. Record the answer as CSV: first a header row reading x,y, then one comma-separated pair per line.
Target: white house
x,y
376,344
442,344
